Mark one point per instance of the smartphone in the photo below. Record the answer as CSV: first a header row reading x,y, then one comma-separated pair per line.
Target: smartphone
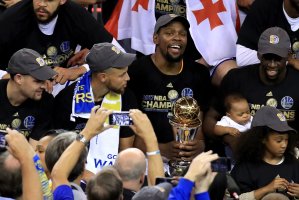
x,y
120,119
163,179
222,164
2,140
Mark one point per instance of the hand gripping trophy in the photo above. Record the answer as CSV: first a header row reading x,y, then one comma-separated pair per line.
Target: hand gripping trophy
x,y
185,119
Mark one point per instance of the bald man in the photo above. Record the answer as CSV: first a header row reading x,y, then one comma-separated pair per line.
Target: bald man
x,y
131,162
131,166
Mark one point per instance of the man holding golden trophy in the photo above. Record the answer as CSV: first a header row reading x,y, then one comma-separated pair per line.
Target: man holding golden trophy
x,y
185,119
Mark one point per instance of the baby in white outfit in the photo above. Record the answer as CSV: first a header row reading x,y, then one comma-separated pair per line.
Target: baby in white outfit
x,y
237,119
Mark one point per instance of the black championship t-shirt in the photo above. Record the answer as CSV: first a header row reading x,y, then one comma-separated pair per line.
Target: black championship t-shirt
x,y
74,26
63,110
284,96
155,91
252,176
32,118
2,8
262,15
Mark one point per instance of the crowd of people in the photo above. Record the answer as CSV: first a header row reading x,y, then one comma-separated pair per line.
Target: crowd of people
x,y
63,76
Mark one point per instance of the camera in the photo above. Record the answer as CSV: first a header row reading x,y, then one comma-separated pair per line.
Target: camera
x,y
120,119
222,164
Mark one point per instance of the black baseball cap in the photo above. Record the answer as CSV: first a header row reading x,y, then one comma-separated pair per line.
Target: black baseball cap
x,y
168,18
272,118
29,62
106,55
276,41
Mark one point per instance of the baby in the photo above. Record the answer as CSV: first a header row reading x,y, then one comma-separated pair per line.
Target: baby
x,y
236,120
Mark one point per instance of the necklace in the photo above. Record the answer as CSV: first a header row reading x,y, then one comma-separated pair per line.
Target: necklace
x,y
156,64
182,66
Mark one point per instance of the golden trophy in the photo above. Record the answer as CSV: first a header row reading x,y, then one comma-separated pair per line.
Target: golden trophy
x,y
185,119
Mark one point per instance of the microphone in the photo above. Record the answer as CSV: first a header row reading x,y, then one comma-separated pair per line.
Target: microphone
x,y
232,187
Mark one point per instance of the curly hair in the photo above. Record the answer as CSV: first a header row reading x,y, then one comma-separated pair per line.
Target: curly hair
x,y
251,147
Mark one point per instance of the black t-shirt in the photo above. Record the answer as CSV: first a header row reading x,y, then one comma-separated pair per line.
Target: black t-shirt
x,y
155,90
74,26
252,176
262,15
2,8
284,96
63,110
32,118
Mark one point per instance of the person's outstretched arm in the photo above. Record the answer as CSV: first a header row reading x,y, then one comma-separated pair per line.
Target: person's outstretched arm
x,y
144,129
70,156
22,150
199,175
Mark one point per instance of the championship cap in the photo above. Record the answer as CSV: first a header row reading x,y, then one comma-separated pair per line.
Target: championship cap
x,y
276,41
166,19
106,55
29,62
272,118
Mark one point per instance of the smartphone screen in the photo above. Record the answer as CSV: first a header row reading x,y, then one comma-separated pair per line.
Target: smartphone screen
x,y
120,119
2,140
222,164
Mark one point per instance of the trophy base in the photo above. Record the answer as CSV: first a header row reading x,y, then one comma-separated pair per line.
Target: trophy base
x,y
178,168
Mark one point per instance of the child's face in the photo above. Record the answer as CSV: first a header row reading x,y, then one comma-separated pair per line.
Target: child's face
x,y
239,112
276,144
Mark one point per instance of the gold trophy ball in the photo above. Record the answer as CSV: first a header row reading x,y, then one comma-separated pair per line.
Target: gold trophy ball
x,y
186,111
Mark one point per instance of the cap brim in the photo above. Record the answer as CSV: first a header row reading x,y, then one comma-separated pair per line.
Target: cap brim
x,y
274,50
282,129
43,73
178,18
124,60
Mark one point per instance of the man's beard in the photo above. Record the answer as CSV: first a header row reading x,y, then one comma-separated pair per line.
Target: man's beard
x,y
115,90
171,59
51,17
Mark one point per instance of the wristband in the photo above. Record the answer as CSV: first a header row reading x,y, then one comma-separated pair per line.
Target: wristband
x,y
2,73
86,66
152,153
